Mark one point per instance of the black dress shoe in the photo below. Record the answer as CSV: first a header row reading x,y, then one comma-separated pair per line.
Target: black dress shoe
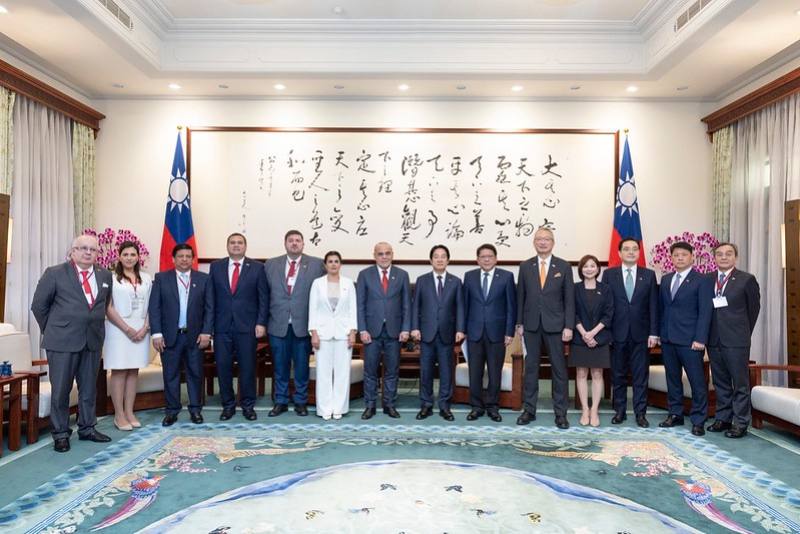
x,y
561,422
642,421
301,410
227,414
494,416
424,412
718,426
525,418
446,414
670,421
697,430
250,414
618,418
277,410
369,412
391,412
95,436
474,414
61,445
197,418
169,419
736,432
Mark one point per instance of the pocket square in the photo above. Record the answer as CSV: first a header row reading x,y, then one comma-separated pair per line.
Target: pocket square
x,y
105,285
556,275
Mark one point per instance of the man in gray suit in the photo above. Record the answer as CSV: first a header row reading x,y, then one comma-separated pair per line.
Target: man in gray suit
x,y
384,321
70,306
289,278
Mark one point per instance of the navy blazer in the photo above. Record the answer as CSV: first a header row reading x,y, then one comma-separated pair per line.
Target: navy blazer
x,y
431,314
164,307
239,312
637,319
688,317
494,315
589,317
376,308
732,326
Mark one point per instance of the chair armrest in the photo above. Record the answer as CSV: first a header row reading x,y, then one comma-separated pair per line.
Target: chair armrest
x,y
31,374
39,362
756,369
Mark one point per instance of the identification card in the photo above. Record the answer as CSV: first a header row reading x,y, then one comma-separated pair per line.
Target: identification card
x,y
720,302
136,304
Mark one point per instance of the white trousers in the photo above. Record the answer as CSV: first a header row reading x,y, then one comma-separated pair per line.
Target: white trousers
x,y
333,377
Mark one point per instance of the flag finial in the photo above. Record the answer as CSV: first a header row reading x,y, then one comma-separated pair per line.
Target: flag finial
x,y
181,128
626,130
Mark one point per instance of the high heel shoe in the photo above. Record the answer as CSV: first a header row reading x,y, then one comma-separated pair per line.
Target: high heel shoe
x,y
124,428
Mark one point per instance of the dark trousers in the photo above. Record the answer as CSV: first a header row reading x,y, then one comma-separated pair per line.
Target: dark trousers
x,y
436,352
630,356
558,368
64,368
287,352
184,353
679,358
485,354
732,383
389,347
242,346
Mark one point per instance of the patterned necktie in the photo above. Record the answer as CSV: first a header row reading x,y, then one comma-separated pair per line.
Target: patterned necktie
x,y
235,277
720,285
485,286
439,287
289,276
385,281
629,284
676,283
87,287
542,273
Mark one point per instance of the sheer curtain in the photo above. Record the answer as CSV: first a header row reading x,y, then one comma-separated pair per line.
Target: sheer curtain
x,y
765,158
41,205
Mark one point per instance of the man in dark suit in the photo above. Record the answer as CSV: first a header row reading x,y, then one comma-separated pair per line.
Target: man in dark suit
x,y
241,305
490,308
736,304
634,329
545,316
70,304
685,319
437,321
384,320
289,279
181,315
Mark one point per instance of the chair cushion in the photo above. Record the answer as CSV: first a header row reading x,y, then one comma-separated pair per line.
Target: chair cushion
x,y
462,377
151,378
44,397
783,403
15,347
356,370
658,381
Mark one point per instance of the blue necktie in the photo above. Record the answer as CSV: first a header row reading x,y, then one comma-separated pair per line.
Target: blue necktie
x,y
720,285
485,286
183,292
439,287
676,283
629,285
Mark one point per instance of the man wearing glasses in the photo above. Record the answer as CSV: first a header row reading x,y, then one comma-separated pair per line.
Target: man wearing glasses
x,y
70,306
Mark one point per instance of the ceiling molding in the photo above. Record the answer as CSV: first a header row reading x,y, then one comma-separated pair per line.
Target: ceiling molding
x,y
774,63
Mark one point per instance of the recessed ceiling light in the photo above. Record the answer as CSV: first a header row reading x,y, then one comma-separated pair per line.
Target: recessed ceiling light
x,y
338,10
279,87
797,12
174,86
461,87
632,89
682,88
3,10
223,86
403,87
517,88
338,87
118,85
574,87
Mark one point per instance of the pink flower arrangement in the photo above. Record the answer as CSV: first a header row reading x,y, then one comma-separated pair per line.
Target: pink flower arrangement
x,y
703,244
110,240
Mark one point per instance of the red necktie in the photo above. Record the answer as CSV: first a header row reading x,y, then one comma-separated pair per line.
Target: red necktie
x,y
289,276
385,282
87,287
235,277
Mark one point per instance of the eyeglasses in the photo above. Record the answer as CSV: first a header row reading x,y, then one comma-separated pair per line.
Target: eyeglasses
x,y
89,250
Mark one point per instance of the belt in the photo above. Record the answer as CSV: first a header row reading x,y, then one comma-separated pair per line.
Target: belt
x,y
183,330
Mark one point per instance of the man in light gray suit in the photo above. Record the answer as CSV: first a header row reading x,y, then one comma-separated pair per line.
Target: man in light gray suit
x,y
70,306
289,279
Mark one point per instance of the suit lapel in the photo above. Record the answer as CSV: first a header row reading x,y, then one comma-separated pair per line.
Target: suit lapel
x,y
73,274
687,279
172,280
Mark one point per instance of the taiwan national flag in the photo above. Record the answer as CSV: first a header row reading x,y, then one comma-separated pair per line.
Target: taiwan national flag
x,y
626,212
178,227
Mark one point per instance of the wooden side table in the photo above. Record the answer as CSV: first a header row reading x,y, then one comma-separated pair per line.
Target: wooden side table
x,y
14,395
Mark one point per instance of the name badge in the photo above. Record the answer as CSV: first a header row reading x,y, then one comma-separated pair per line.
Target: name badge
x,y
137,303
720,302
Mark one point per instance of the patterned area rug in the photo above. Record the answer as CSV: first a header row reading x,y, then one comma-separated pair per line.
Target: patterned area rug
x,y
258,478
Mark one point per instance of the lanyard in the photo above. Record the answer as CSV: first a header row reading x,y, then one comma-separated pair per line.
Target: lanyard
x,y
186,284
721,285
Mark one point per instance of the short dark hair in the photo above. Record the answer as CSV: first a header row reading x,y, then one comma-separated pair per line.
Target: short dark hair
x,y
625,240
332,253
584,260
486,246
294,232
434,247
727,244
182,246
234,234
682,245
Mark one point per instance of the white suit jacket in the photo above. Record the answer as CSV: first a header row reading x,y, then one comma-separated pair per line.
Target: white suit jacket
x,y
328,323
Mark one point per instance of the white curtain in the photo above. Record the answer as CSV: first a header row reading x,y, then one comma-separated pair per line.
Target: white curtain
x,y
41,206
765,173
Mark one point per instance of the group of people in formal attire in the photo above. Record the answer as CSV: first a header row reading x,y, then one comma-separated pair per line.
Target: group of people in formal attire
x,y
305,305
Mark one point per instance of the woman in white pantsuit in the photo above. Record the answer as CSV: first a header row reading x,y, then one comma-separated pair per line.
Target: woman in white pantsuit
x,y
332,324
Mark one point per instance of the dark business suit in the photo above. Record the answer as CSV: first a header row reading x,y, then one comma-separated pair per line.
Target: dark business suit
x,y
73,335
180,344
488,320
633,323
544,312
685,319
384,316
235,318
438,318
729,344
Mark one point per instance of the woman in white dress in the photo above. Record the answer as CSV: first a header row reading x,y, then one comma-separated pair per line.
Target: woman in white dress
x,y
332,324
127,344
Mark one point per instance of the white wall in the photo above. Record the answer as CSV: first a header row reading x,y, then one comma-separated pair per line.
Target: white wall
x,y
671,153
